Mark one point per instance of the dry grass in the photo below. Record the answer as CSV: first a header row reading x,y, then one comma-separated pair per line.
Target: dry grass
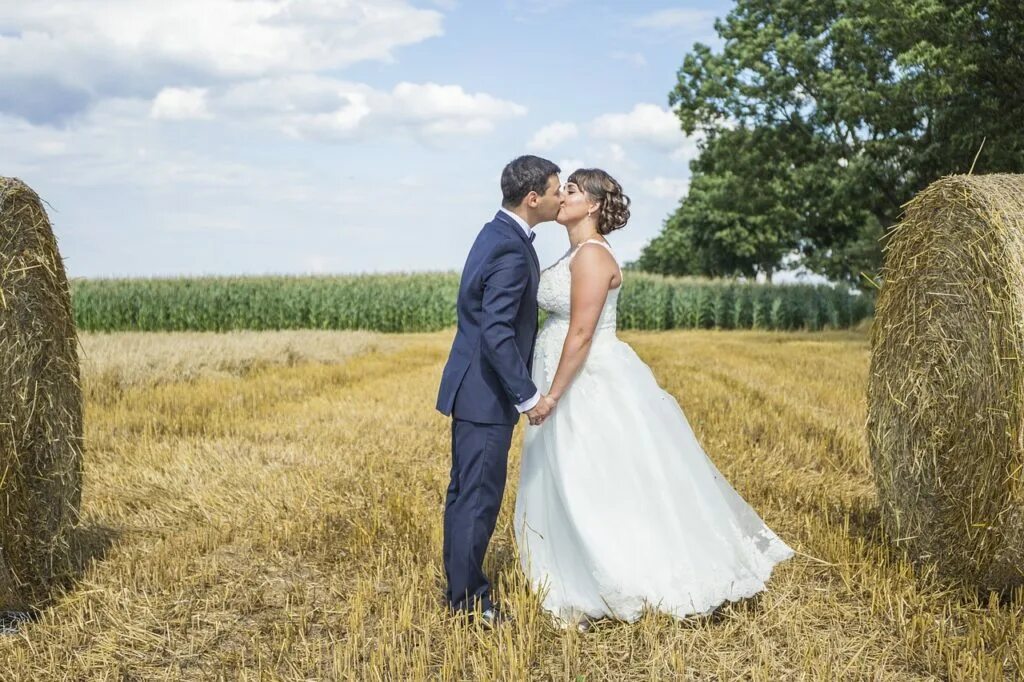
x,y
118,361
286,524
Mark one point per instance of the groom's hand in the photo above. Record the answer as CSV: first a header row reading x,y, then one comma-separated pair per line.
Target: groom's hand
x,y
541,410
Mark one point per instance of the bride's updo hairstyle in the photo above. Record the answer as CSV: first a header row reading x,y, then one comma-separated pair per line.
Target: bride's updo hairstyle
x,y
614,211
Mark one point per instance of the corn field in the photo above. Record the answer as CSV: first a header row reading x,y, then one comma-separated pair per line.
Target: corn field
x,y
425,302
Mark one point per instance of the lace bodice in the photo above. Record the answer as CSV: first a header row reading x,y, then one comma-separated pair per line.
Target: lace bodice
x,y
554,291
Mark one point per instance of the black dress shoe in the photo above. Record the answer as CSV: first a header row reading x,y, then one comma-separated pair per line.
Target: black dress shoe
x,y
493,617
11,620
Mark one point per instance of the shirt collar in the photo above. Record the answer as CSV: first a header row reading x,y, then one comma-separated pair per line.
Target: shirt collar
x,y
519,221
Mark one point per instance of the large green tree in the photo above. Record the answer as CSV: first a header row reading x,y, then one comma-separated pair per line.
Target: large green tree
x,y
753,194
821,118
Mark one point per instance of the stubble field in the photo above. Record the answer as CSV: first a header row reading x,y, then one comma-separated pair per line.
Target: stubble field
x,y
269,506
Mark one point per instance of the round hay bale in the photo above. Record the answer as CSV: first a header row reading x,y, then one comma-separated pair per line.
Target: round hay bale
x,y
946,388
40,404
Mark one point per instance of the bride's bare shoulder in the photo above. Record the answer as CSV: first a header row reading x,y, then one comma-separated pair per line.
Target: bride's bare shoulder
x,y
593,252
593,256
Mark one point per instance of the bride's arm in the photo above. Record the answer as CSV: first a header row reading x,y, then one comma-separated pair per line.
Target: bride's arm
x,y
592,272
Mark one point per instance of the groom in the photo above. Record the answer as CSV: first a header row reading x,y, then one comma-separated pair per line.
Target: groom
x,y
486,383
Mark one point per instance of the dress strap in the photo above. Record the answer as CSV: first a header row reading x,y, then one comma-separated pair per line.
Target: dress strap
x,y
595,241
592,241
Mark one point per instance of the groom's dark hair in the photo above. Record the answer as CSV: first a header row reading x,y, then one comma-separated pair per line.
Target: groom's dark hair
x,y
524,175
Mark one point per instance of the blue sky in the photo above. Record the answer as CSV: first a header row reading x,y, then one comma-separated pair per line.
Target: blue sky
x,y
341,136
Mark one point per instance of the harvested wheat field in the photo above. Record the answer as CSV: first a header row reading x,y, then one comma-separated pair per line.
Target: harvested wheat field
x,y
276,514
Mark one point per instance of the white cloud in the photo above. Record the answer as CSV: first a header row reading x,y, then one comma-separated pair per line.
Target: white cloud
x,y
611,158
299,106
552,135
180,104
666,188
687,151
448,105
691,20
91,92
79,51
116,144
569,165
260,63
308,106
647,123
616,153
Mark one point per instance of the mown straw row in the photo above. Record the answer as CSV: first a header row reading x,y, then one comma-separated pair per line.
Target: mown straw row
x,y
426,302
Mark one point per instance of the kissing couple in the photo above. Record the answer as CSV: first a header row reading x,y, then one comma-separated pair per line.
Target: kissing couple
x,y
618,507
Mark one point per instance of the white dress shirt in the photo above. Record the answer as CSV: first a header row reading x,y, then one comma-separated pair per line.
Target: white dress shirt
x,y
526,405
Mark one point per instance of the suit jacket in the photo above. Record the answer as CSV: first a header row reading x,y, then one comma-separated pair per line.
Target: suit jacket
x,y
488,368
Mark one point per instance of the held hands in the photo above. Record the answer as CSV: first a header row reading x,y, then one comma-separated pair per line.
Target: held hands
x,y
542,410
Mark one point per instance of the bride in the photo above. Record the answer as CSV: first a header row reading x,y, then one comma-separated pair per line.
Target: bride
x,y
618,505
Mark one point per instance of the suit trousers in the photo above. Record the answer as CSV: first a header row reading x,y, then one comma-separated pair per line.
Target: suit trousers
x,y
479,466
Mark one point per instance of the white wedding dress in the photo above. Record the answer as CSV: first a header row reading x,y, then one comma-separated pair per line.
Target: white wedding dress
x,y
618,505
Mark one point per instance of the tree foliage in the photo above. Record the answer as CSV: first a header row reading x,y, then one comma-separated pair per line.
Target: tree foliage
x,y
821,118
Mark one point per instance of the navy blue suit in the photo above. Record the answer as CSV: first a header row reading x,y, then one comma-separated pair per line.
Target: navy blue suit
x,y
486,376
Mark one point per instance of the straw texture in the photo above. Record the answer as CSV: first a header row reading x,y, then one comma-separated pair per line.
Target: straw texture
x,y
40,404
946,386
